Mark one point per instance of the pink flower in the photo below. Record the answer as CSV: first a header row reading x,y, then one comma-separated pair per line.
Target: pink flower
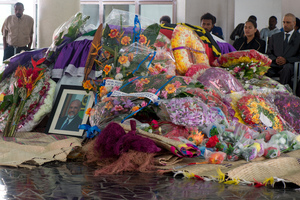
x,y
118,108
153,90
237,69
131,79
187,80
118,69
164,94
177,84
139,84
144,103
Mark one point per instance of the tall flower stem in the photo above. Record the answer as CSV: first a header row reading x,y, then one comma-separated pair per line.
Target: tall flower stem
x,y
12,112
16,120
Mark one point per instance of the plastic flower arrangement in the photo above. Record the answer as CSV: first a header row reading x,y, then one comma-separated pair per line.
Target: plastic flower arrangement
x,y
26,81
244,64
255,110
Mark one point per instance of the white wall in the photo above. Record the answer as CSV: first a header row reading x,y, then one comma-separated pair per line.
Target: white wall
x,y
262,9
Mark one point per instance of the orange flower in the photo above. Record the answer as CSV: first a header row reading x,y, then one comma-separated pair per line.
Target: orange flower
x,y
113,33
87,85
130,57
88,111
135,108
107,69
103,91
145,81
169,76
170,88
125,40
109,105
158,67
106,54
123,59
143,39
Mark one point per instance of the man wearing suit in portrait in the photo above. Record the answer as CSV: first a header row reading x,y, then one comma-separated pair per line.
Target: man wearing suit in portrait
x,y
71,121
284,51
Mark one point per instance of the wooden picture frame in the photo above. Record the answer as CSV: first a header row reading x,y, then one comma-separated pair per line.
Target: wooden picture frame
x,y
69,110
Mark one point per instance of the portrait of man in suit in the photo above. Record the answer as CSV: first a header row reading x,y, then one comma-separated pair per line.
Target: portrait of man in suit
x,y
284,51
71,121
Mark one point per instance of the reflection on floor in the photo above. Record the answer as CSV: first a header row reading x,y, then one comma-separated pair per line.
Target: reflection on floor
x,y
74,181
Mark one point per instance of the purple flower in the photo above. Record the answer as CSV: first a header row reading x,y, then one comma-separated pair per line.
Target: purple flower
x,y
128,104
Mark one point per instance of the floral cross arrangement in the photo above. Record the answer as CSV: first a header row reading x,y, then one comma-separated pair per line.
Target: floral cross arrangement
x,y
244,64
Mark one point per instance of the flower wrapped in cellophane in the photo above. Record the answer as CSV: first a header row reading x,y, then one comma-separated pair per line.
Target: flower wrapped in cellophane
x,y
288,106
220,80
256,110
244,64
27,98
188,49
119,109
264,83
191,112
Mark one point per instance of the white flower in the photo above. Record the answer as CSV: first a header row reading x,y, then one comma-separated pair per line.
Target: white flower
x,y
143,74
254,69
119,76
127,64
242,74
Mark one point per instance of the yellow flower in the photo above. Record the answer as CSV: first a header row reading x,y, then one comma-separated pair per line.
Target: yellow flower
x,y
2,95
145,80
107,69
170,88
109,105
87,85
125,40
123,59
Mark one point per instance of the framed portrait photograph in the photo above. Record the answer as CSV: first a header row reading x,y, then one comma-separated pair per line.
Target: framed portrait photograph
x,y
69,110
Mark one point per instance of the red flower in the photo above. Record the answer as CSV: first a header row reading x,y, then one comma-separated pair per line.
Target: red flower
x,y
212,141
29,86
20,83
159,44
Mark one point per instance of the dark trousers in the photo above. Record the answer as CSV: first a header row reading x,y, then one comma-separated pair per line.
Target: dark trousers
x,y
285,73
9,51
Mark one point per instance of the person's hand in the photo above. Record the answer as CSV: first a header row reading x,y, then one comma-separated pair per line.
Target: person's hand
x,y
280,60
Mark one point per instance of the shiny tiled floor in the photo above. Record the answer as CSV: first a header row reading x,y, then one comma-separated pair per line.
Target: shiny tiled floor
x,y
74,181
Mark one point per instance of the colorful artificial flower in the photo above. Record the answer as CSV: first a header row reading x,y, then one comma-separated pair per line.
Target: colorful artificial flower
x,y
170,88
88,111
87,85
135,108
123,59
103,91
143,39
113,33
212,142
125,40
107,69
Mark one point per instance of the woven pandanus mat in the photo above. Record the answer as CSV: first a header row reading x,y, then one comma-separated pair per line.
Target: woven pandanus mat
x,y
28,149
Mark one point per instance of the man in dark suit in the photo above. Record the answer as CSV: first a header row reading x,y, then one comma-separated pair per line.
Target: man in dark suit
x,y
71,121
284,51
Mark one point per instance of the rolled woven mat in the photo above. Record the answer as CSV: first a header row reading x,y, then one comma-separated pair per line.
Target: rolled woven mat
x,y
32,148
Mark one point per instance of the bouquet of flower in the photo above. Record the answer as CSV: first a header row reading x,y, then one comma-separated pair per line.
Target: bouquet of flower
x,y
221,80
255,110
191,112
117,109
288,106
265,83
66,33
244,64
20,102
283,139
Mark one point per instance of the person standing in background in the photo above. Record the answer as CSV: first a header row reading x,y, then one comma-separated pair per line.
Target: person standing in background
x,y
17,31
266,33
